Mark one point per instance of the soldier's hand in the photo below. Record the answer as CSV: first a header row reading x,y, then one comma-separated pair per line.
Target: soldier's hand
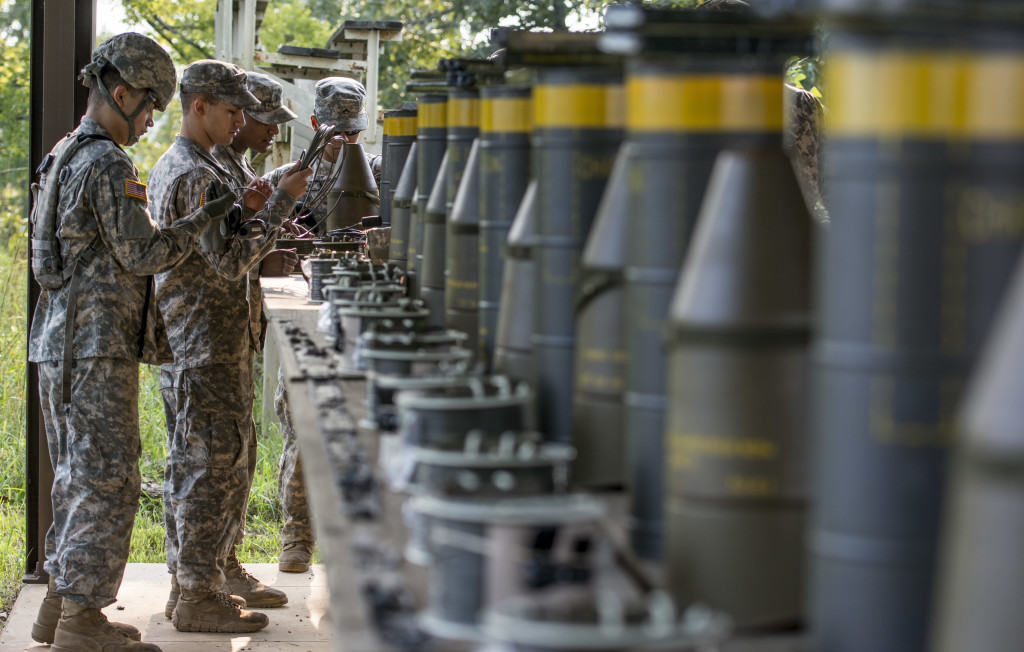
x,y
255,197
295,181
280,262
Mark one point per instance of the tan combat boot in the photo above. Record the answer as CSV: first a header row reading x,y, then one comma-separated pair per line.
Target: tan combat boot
x,y
172,599
49,613
85,629
295,557
255,592
208,611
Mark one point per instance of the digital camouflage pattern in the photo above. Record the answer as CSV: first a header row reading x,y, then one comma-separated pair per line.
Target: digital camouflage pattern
x,y
243,173
270,110
94,448
321,175
802,140
378,245
94,207
142,62
225,81
205,303
206,477
290,485
338,101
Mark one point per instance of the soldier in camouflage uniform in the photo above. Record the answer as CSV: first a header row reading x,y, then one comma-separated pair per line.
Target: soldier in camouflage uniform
x,y
802,141
87,337
338,101
261,125
204,303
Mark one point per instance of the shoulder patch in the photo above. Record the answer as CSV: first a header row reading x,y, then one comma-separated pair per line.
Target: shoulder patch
x,y
135,189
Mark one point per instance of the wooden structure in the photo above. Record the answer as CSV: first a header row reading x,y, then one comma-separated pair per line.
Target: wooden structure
x,y
352,51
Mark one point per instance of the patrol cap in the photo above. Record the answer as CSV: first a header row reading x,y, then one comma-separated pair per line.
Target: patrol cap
x,y
141,62
270,110
225,81
338,101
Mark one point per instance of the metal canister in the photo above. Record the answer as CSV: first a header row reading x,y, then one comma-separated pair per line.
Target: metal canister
x,y
512,353
504,174
598,413
399,136
431,134
435,230
440,417
359,314
577,129
465,577
927,220
462,282
737,436
681,112
514,464
981,582
463,127
401,210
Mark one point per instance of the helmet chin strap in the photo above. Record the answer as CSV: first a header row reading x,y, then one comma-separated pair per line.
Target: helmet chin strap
x,y
94,69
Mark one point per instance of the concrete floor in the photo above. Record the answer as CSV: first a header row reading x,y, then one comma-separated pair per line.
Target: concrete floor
x,y
299,626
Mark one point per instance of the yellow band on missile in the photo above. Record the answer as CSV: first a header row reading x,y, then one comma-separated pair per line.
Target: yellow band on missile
x,y
432,116
505,115
463,112
704,103
596,106
405,126
945,95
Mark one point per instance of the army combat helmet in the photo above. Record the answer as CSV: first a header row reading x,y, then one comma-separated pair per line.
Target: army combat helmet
x,y
143,65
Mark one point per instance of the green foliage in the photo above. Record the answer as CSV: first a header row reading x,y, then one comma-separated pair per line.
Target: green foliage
x,y
184,26
14,111
433,28
291,22
804,73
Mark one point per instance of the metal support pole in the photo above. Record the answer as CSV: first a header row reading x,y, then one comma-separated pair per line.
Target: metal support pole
x,y
57,100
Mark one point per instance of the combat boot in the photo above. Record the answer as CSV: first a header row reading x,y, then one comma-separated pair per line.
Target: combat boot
x,y
295,557
86,629
255,592
49,613
209,611
172,599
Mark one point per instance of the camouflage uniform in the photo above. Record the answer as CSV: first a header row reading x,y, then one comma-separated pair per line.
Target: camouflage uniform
x,y
338,101
802,141
205,303
290,486
93,441
270,110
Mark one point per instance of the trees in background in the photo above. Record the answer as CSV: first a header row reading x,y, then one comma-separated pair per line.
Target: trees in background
x,y
15,25
433,28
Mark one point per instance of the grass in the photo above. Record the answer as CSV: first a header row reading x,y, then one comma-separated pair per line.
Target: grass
x,y
264,512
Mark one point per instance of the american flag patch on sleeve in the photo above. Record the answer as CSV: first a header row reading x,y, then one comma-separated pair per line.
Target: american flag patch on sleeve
x,y
135,189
